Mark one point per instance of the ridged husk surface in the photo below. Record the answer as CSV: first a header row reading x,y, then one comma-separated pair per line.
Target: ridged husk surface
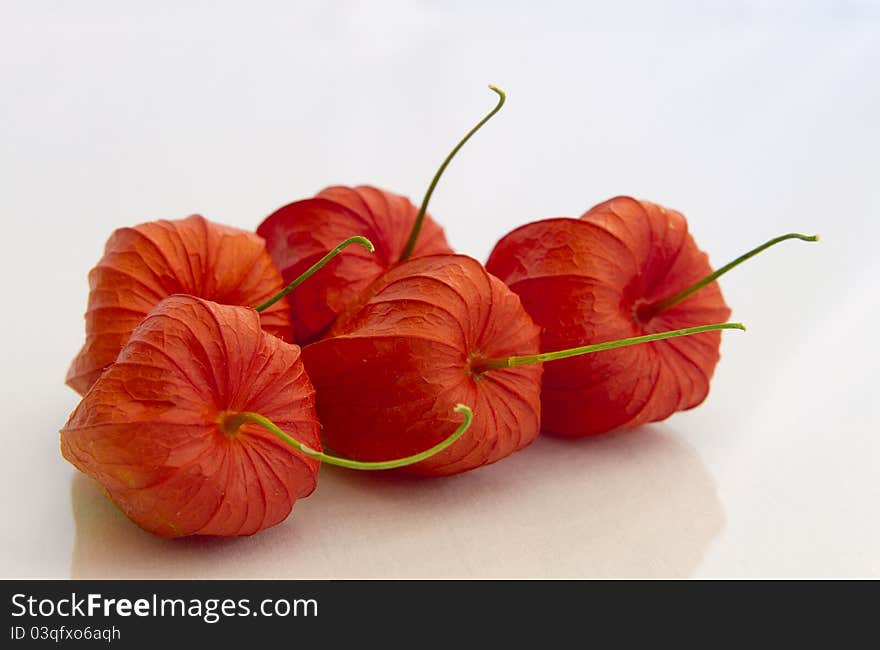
x,y
149,430
392,369
151,261
300,233
587,281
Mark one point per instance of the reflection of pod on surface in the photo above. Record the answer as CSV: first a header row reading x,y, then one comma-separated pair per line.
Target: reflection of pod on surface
x,y
631,504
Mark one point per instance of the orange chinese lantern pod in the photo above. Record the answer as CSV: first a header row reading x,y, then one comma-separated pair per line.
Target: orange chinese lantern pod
x,y
152,429
626,268
301,232
205,424
432,332
390,370
148,262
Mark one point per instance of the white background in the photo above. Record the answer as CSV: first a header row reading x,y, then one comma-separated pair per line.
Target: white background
x,y
753,118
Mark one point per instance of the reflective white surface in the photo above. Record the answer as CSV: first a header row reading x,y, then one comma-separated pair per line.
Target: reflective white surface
x,y
751,118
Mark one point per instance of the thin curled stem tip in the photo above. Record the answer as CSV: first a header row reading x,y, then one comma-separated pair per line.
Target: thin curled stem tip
x,y
423,209
231,422
653,309
314,268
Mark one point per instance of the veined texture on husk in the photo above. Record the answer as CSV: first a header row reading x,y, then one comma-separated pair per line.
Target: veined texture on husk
x,y
589,280
300,233
148,262
392,368
148,431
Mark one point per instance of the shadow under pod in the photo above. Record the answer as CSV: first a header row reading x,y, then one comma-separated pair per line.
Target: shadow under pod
x,y
633,504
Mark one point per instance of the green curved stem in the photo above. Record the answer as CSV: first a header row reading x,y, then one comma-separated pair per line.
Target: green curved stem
x,y
655,308
232,422
513,362
420,217
363,241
